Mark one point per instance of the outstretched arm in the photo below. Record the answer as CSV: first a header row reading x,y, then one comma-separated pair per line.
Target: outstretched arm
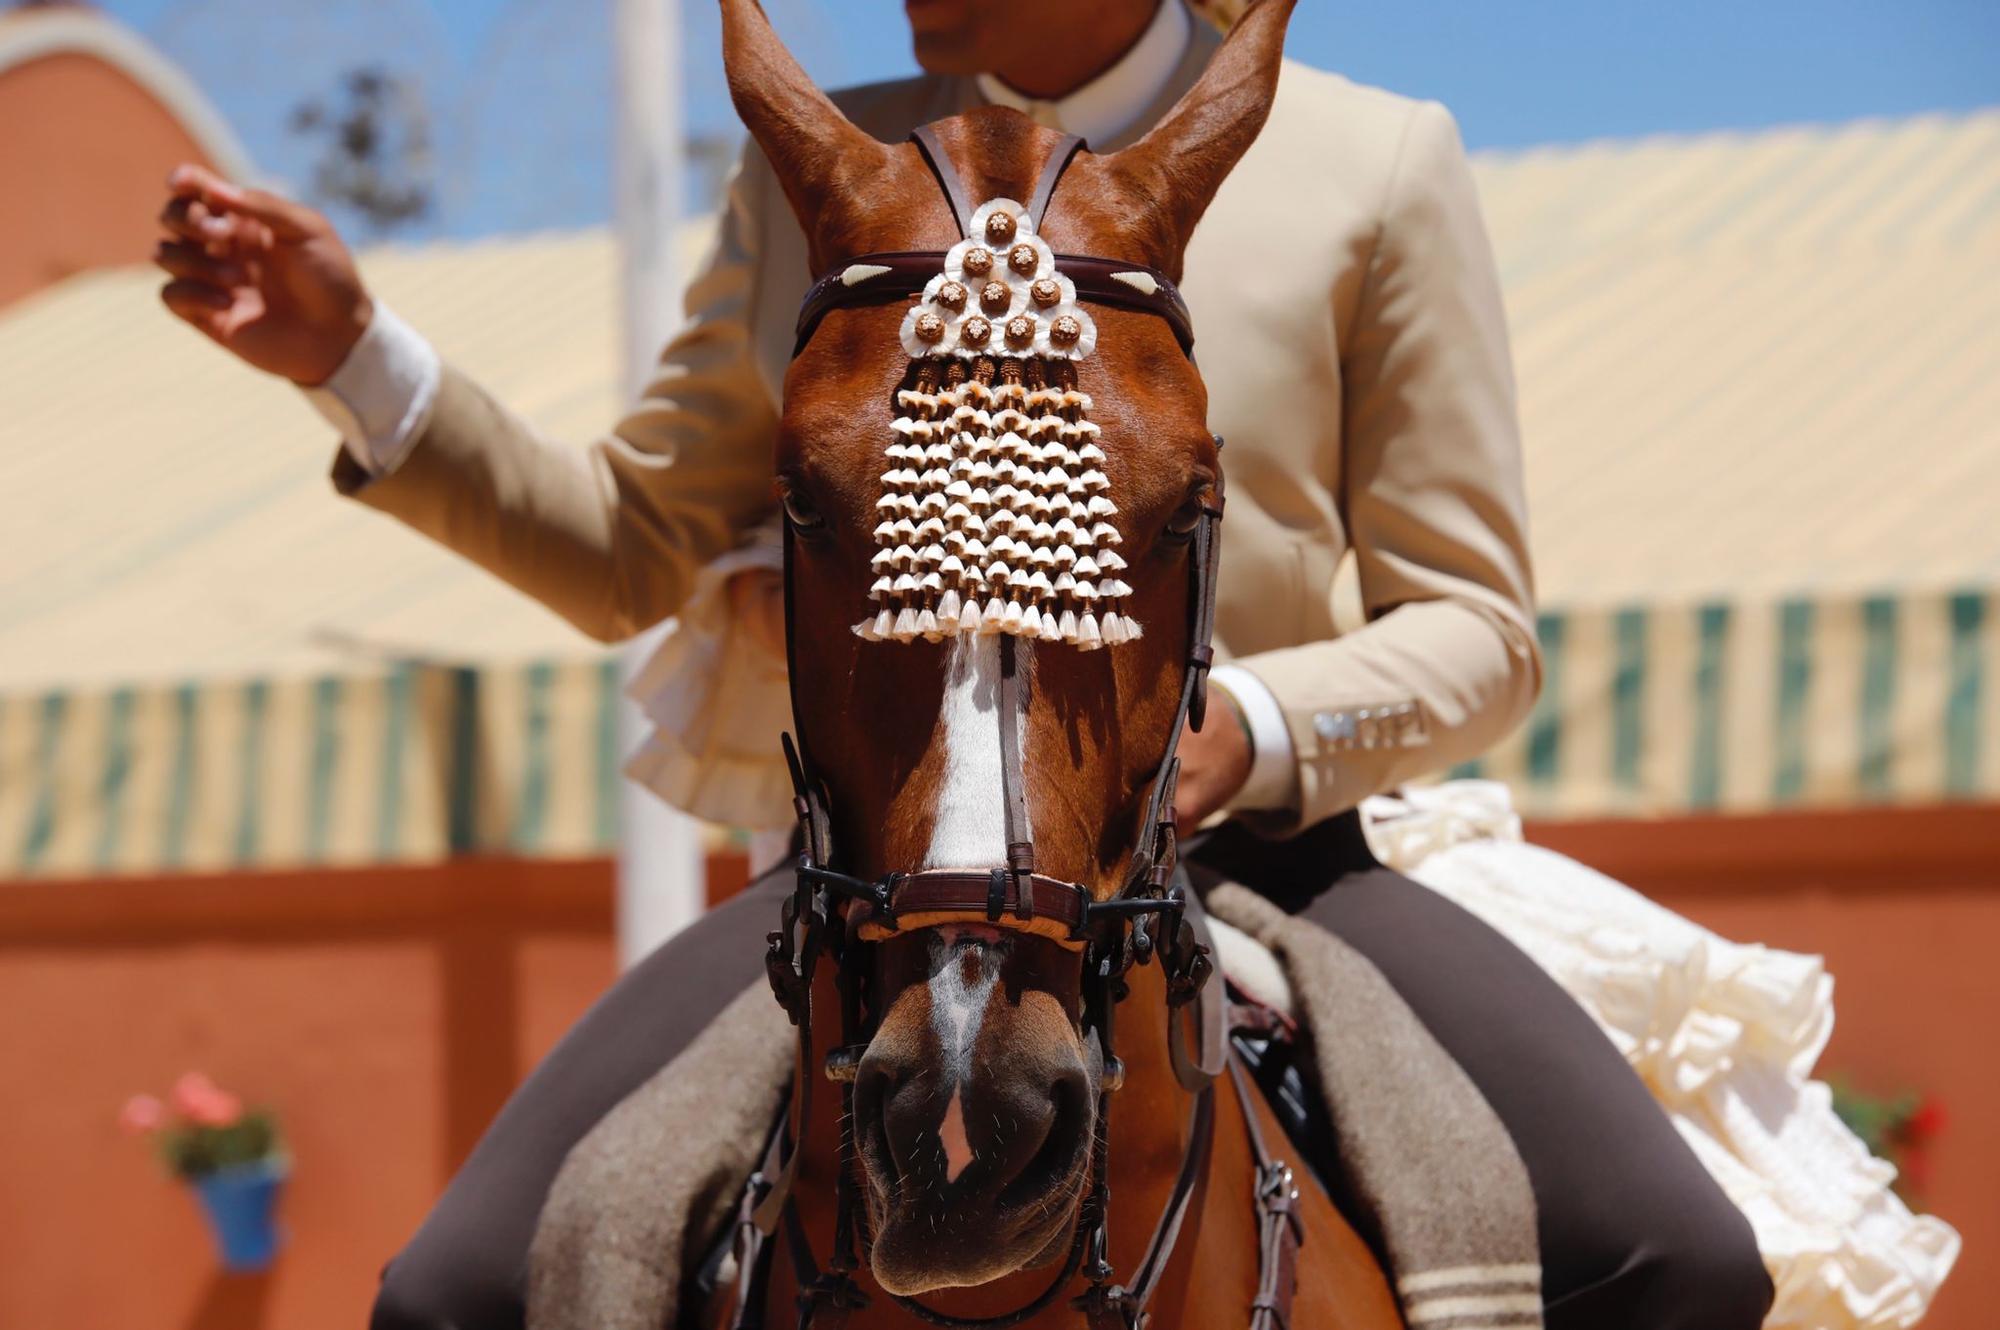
x,y
611,535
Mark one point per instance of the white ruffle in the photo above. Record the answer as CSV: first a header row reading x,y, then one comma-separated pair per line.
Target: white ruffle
x,y
717,700
1724,1034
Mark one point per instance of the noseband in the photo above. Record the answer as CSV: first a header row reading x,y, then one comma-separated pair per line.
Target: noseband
x,y
833,912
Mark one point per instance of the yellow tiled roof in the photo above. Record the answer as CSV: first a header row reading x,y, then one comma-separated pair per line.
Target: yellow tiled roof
x,y
1757,364
165,513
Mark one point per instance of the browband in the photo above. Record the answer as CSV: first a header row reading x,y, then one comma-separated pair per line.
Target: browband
x,y
876,279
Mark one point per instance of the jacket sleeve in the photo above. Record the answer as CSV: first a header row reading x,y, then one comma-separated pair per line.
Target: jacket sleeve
x,y
610,535
1432,488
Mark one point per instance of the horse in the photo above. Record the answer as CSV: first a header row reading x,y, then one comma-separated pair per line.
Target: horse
x,y
1014,1102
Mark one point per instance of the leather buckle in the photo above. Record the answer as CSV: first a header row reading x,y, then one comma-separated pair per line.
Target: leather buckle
x,y
1278,1194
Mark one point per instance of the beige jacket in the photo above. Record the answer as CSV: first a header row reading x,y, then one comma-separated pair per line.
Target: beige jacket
x,y
1349,326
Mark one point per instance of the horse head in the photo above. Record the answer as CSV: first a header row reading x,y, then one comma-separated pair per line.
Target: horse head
x,y
996,524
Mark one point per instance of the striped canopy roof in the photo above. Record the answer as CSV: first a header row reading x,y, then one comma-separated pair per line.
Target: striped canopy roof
x,y
1760,381
1760,393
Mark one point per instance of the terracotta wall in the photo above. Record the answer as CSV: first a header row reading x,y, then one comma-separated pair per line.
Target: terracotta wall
x,y
85,153
386,1014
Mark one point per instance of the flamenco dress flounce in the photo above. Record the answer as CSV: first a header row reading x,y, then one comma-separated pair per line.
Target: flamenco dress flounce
x,y
1724,1034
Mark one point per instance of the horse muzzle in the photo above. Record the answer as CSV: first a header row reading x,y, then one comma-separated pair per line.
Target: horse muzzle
x,y
975,1108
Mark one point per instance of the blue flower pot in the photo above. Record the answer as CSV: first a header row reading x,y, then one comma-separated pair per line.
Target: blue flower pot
x,y
240,1202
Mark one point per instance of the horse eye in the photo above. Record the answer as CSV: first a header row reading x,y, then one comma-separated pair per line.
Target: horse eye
x,y
799,510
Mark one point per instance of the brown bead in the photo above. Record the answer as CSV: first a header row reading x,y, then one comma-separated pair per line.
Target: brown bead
x,y
952,296
1000,228
1066,331
1046,292
1023,258
976,331
978,261
1020,330
930,327
994,298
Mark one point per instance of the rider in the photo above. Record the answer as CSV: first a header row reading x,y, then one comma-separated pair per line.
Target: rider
x,y
1355,351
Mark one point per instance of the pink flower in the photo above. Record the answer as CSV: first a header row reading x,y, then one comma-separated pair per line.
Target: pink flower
x,y
198,1099
142,1113
219,1110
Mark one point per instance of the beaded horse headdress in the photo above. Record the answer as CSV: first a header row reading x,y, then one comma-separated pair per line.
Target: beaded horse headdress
x,y
995,507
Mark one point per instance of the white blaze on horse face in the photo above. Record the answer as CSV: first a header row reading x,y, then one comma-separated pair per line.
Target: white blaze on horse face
x,y
970,829
961,985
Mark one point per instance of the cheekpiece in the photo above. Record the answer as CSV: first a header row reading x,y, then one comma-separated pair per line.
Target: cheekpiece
x,y
995,509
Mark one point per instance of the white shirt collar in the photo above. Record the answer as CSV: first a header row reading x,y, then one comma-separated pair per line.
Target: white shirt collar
x,y
1113,101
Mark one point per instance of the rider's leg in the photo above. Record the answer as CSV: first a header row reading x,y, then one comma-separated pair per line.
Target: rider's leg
x,y
1634,1232
466,1267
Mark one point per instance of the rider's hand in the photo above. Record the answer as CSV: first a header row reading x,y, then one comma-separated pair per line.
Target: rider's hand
x,y
264,277
1214,764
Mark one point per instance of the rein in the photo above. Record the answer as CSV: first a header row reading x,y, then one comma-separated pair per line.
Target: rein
x,y
831,912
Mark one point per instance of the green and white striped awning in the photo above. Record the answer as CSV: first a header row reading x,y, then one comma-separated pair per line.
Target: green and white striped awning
x,y
210,661
411,763
1744,707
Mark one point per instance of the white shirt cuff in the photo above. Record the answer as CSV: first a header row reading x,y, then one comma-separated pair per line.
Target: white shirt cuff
x,y
1274,776
382,393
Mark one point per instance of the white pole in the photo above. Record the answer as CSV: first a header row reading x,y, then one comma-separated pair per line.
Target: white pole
x,y
661,882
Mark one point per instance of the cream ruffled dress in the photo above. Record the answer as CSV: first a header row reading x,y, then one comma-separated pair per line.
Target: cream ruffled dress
x,y
1724,1034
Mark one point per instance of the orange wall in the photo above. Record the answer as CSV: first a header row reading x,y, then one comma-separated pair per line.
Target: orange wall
x,y
85,154
385,1015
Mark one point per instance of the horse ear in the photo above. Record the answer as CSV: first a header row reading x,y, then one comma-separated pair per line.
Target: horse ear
x,y
1180,164
823,161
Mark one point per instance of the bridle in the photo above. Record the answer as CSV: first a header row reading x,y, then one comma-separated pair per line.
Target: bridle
x,y
831,912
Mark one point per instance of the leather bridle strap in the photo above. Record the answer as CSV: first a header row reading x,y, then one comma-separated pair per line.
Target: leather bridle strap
x,y
1020,838
926,139
1067,148
1156,828
1280,1229
960,199
1129,1303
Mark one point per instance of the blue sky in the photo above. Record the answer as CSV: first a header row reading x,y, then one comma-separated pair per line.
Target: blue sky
x,y
520,118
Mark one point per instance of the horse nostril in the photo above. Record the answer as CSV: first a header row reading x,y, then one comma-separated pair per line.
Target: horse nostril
x,y
1059,1147
874,1087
